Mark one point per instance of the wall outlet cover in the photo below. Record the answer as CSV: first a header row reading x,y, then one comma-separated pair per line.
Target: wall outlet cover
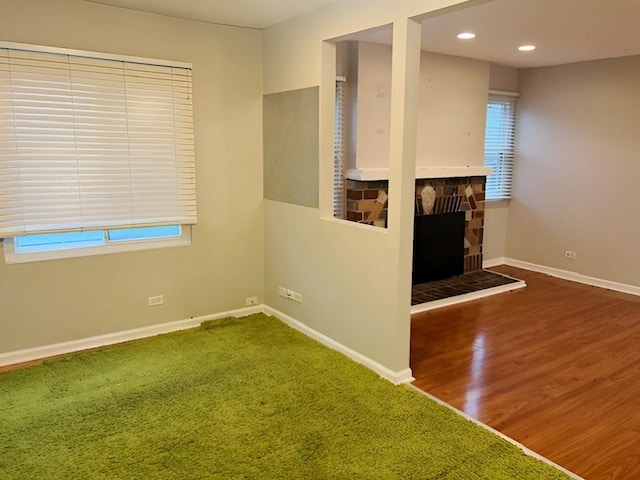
x,y
155,300
251,301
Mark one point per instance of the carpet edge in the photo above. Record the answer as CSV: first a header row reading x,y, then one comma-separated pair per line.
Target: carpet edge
x,y
397,377
525,450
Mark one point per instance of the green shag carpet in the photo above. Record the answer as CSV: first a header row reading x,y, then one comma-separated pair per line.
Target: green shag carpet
x,y
236,399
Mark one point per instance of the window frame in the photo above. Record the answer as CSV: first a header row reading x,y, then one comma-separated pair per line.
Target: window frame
x,y
110,246
506,155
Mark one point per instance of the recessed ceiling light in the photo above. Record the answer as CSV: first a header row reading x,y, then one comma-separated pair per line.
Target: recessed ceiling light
x,y
466,35
527,48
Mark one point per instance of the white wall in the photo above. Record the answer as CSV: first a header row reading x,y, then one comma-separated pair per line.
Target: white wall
x,y
576,169
373,106
60,300
451,110
356,280
494,242
503,78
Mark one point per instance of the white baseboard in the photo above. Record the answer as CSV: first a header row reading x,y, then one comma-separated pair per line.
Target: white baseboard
x,y
574,277
403,376
20,356
493,262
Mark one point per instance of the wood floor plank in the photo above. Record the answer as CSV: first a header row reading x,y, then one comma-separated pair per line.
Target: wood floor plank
x,y
555,366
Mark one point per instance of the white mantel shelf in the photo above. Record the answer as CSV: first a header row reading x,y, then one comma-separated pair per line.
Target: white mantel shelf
x,y
372,174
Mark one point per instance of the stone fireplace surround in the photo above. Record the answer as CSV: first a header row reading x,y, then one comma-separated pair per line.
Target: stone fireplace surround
x,y
453,194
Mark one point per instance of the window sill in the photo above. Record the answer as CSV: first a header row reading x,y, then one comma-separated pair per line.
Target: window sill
x,y
497,203
10,256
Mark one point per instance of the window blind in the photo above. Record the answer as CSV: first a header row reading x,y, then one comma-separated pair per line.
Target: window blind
x,y
89,143
499,145
338,149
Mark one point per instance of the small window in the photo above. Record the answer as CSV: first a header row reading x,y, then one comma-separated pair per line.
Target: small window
x,y
339,194
499,145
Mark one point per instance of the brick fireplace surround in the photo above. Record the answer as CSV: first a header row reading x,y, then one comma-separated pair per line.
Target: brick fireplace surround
x,y
453,194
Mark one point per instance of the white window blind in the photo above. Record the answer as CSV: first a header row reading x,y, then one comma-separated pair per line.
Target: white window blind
x,y
499,145
89,143
338,150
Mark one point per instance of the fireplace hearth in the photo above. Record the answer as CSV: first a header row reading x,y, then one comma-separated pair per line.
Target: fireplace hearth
x,y
458,285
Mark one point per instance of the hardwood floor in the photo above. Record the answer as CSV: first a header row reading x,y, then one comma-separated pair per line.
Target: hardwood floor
x,y
555,366
17,366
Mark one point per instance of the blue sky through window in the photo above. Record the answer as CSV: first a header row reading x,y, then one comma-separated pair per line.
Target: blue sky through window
x,y
58,241
123,234
69,240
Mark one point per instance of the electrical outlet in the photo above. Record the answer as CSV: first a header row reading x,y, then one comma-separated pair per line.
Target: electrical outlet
x,y
290,294
154,301
570,255
251,301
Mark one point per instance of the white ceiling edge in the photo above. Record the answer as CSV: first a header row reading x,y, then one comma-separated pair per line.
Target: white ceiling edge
x,y
256,14
564,31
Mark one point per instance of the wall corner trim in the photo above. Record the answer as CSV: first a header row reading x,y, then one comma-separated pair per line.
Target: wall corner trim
x,y
403,376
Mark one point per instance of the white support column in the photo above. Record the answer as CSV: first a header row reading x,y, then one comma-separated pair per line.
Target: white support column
x,y
403,140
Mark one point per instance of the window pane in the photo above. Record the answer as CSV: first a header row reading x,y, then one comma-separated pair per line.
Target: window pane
x,y
499,146
58,241
339,152
141,233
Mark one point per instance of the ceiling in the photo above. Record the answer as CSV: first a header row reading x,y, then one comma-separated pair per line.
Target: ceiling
x,y
564,31
242,13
